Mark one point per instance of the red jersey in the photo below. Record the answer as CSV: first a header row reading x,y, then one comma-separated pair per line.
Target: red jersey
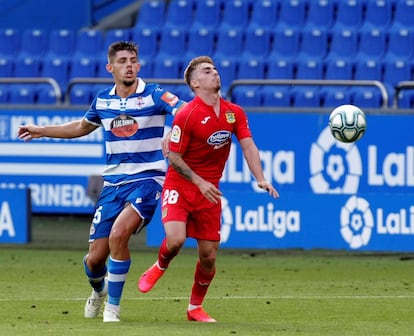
x,y
204,139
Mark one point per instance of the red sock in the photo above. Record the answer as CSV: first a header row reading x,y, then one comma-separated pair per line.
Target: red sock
x,y
202,281
164,255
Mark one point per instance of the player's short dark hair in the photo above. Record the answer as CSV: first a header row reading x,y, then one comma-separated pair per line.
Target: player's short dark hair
x,y
193,65
121,45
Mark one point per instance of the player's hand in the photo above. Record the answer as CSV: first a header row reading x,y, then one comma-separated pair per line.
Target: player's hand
x,y
210,191
268,187
28,132
166,144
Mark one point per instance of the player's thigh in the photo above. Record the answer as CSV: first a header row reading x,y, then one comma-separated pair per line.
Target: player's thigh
x,y
176,232
127,223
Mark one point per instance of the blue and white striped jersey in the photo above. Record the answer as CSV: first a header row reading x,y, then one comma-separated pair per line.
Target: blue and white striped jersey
x,y
133,131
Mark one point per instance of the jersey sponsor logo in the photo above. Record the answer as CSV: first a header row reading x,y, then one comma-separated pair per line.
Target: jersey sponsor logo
x,y
124,126
169,98
176,134
219,139
230,117
204,121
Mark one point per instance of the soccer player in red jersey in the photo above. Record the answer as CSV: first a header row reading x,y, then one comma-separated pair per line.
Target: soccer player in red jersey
x,y
191,200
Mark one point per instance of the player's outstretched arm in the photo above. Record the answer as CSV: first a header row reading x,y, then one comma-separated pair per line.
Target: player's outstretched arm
x,y
73,129
251,154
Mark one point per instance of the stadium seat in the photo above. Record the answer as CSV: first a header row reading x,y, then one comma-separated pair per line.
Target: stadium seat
x,y
314,44
350,14
406,99
247,96
200,42
403,15
235,15
179,14
115,35
101,71
207,14
61,43
251,68
147,67
321,14
396,71
90,42
378,14
372,44
4,94
34,43
310,69
147,41
285,43
165,67
6,67
56,68
229,43
83,66
306,97
151,14
338,69
257,42
227,68
276,96
264,14
9,42
366,97
344,44
280,68
46,95
333,96
22,94
81,94
368,69
400,44
292,14
27,67
173,43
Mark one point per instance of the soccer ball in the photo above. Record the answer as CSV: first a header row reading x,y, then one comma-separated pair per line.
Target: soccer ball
x,y
347,123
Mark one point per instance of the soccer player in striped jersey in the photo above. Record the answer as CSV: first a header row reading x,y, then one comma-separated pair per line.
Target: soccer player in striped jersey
x,y
132,114
191,202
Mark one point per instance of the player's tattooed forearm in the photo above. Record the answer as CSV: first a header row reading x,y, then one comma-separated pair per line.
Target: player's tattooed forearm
x,y
184,171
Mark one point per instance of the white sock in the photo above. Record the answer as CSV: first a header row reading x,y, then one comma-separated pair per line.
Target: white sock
x,y
192,307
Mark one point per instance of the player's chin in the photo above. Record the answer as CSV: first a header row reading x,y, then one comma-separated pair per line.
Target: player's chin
x,y
129,82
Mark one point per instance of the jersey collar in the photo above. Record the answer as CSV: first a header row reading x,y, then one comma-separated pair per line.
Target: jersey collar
x,y
140,87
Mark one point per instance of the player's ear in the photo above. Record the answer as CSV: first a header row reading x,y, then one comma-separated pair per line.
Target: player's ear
x,y
194,84
109,68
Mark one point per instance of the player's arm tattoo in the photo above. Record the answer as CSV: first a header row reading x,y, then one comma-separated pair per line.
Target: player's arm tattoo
x,y
180,166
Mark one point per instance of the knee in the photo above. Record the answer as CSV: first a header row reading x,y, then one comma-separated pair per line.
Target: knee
x,y
175,243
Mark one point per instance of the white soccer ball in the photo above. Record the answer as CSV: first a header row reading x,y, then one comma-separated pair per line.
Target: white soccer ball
x,y
347,123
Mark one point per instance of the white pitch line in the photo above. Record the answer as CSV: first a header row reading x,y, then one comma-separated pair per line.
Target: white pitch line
x,y
276,297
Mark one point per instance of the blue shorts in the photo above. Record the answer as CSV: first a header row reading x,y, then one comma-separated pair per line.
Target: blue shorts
x,y
143,195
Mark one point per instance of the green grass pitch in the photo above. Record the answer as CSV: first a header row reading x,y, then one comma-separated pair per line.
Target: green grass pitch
x,y
43,291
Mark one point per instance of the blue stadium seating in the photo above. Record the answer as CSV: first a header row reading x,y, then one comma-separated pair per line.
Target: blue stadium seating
x,y
27,67
147,41
366,97
83,66
22,94
264,14
310,69
61,43
280,68
57,68
9,42
314,44
339,69
6,67
307,97
235,14
165,67
251,68
277,96
368,69
292,14
400,44
173,43
4,94
229,43
179,14
257,42
207,14
372,44
378,14
34,43
321,14
247,96
200,42
344,44
335,96
350,14
151,14
403,14
285,43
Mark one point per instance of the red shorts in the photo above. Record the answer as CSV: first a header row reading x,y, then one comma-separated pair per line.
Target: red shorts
x,y
203,218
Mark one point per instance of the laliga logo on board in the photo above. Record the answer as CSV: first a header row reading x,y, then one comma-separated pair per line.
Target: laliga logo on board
x,y
335,167
357,222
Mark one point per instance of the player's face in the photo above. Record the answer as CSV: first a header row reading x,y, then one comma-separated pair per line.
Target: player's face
x,y
208,77
124,67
